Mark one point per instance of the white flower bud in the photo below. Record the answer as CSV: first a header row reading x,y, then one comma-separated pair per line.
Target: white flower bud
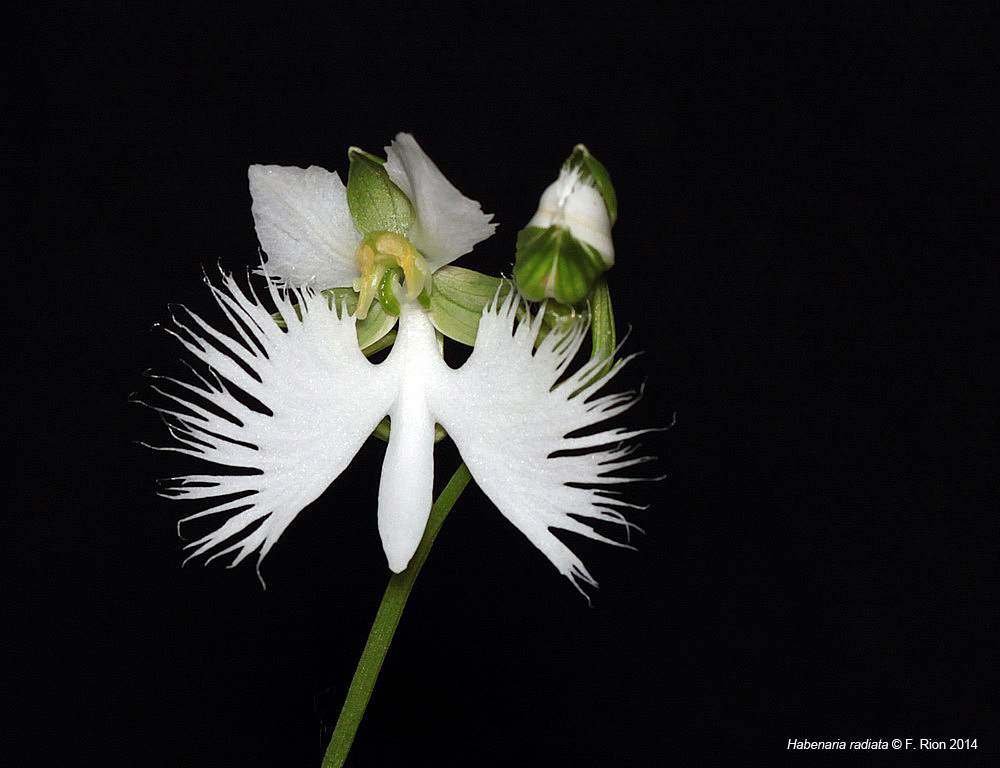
x,y
573,202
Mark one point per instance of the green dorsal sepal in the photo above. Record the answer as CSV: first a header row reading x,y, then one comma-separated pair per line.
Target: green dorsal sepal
x,y
376,203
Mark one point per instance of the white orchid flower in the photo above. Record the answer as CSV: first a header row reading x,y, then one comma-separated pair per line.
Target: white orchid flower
x,y
514,422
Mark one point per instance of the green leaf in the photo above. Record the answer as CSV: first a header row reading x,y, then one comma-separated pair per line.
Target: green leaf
x,y
376,203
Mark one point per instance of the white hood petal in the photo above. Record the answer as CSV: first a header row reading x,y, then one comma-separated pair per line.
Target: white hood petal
x,y
324,399
448,224
304,225
507,421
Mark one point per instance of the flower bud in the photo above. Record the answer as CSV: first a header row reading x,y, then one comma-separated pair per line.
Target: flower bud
x,y
567,244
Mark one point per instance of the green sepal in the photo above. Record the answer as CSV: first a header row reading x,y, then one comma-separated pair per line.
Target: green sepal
x,y
552,263
594,168
376,203
460,295
458,298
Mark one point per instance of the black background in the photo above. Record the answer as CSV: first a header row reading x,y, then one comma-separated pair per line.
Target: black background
x,y
805,257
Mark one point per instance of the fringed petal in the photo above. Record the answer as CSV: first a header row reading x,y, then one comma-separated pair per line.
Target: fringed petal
x,y
511,425
304,226
448,223
295,404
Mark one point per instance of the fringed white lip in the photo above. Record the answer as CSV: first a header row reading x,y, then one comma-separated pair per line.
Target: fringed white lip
x,y
321,399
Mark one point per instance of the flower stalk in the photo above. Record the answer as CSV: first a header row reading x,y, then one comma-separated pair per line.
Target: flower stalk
x,y
384,627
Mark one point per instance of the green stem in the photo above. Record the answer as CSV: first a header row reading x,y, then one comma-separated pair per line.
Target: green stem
x,y
384,626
